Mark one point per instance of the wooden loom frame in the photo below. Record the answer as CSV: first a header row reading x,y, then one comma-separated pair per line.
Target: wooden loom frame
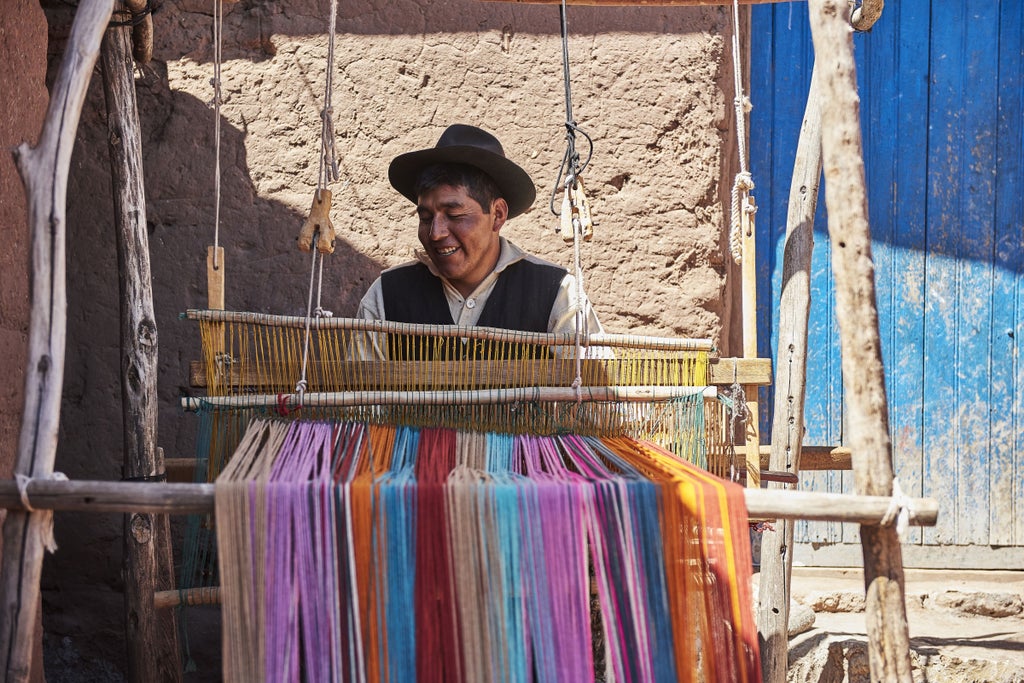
x,y
44,169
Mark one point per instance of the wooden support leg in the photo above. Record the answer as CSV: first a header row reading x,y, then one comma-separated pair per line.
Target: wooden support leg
x,y
790,385
752,436
857,313
152,636
44,171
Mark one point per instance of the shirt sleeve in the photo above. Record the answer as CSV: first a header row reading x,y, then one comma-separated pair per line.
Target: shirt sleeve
x,y
563,314
369,345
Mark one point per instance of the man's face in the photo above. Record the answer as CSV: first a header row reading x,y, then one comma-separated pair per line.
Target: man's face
x,y
459,237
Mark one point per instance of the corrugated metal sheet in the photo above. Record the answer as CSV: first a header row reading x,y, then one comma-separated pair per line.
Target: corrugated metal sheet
x,y
941,108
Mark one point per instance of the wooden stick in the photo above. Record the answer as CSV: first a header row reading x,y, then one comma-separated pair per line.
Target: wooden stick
x,y
470,397
458,374
813,459
856,311
752,431
152,637
207,595
652,3
116,496
454,331
44,172
790,384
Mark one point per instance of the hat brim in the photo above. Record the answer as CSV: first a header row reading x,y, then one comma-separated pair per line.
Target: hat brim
x,y
515,184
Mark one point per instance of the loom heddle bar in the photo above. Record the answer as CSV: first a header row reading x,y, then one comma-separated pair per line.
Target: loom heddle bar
x,y
585,394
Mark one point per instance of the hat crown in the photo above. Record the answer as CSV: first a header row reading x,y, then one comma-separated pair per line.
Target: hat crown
x,y
461,135
464,144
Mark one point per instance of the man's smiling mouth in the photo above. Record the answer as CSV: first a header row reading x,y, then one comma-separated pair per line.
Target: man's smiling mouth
x,y
448,251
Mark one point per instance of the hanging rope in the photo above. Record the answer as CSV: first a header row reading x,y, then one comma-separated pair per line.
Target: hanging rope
x,y
744,182
328,172
218,30
574,208
328,153
571,167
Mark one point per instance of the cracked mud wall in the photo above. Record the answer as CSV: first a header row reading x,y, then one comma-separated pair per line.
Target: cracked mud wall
x,y
651,85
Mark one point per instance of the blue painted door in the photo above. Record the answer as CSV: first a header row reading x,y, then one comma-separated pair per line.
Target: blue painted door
x,y
941,110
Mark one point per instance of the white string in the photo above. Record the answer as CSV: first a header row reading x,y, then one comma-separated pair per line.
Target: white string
x,y
218,29
744,182
300,387
577,230
46,530
327,172
899,509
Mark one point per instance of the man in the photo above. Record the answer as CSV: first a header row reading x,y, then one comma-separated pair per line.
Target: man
x,y
465,190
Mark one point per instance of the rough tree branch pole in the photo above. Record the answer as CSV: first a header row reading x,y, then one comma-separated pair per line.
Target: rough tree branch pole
x,y
44,171
790,385
148,562
863,374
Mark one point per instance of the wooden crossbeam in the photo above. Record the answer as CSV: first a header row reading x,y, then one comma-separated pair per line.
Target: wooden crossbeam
x,y
394,375
120,496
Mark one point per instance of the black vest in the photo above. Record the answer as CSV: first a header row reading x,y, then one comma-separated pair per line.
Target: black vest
x,y
521,299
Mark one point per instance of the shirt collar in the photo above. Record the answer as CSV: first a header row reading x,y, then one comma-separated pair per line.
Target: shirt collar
x,y
510,254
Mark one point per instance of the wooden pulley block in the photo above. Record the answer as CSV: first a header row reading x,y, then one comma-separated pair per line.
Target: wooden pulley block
x,y
575,213
318,225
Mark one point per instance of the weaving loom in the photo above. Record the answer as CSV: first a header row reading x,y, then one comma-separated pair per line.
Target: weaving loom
x,y
432,467
455,457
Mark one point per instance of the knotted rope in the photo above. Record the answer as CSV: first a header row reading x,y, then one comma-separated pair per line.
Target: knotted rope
x,y
744,182
46,530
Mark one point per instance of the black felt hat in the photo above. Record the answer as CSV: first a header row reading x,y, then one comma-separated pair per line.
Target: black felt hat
x,y
462,144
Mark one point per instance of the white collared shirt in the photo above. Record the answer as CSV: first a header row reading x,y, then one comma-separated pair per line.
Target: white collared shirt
x,y
466,310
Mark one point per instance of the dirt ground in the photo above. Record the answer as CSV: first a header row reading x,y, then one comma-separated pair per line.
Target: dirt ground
x,y
965,626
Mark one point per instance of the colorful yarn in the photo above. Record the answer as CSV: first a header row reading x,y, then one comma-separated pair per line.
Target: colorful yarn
x,y
356,552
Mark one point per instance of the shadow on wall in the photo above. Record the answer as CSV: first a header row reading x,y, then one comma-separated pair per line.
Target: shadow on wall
x,y
82,582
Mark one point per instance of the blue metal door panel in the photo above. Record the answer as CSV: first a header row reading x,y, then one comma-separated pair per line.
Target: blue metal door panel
x,y
941,114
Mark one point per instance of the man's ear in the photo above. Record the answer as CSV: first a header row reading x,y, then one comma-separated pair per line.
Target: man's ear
x,y
499,209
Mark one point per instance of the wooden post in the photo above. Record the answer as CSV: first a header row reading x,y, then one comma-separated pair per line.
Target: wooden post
x,y
790,385
44,171
151,636
856,311
752,432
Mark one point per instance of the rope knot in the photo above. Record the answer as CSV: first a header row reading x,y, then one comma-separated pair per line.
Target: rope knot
x,y
899,509
744,181
46,530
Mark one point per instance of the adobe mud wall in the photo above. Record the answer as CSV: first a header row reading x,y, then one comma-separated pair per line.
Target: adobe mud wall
x,y
651,85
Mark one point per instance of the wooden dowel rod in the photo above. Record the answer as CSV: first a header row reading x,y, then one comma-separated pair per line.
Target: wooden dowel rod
x,y
453,331
817,459
110,496
483,396
208,595
813,458
117,496
401,374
